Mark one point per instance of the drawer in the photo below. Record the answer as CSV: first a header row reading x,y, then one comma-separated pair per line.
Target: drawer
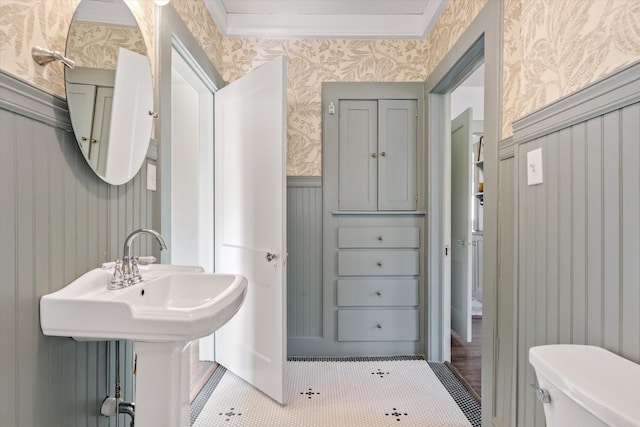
x,y
378,263
378,325
377,292
378,237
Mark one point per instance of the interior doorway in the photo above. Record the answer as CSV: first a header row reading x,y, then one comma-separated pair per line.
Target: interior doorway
x,y
466,187
192,189
480,41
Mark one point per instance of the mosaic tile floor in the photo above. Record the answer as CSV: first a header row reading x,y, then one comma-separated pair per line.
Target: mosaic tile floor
x,y
343,392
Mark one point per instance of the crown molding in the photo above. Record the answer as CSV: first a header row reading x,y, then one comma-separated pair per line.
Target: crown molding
x,y
326,26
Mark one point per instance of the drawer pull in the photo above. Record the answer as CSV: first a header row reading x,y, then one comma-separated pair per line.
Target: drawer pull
x,y
379,326
380,238
379,264
379,293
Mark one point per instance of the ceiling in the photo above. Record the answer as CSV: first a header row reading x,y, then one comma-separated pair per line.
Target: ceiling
x,y
362,19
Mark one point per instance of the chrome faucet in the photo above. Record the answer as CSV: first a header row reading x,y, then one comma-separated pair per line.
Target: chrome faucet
x,y
126,271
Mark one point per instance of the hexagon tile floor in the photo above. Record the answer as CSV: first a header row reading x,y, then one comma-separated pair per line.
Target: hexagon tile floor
x,y
338,392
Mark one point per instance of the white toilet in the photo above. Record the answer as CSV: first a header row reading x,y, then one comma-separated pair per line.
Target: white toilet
x,y
586,386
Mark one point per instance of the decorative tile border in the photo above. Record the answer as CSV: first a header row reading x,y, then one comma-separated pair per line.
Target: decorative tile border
x,y
467,403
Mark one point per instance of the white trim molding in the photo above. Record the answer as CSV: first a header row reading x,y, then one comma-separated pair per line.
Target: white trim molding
x,y
350,26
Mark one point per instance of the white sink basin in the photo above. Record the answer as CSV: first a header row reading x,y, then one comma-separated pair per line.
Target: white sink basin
x,y
170,307
171,304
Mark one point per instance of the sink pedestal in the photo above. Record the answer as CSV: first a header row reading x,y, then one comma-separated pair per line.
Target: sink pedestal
x,y
162,384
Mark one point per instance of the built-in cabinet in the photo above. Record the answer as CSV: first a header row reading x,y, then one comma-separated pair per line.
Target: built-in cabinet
x,y
91,92
373,223
377,156
378,279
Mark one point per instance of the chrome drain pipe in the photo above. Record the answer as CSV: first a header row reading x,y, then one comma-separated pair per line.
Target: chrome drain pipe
x,y
118,392
114,406
128,408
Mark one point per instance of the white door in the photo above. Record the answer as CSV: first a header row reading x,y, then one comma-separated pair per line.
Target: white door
x,y
130,119
461,137
191,232
250,222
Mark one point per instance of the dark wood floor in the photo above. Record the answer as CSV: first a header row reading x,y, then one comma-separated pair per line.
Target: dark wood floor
x,y
466,357
200,371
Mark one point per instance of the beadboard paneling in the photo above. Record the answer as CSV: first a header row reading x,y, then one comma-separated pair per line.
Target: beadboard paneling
x,y
505,354
578,234
304,269
57,221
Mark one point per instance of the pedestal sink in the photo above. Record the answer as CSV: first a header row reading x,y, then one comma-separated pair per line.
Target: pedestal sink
x,y
170,307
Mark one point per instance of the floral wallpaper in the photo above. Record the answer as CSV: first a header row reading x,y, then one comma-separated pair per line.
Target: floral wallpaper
x,y
28,23
311,62
571,43
455,18
551,48
512,63
143,13
198,20
96,46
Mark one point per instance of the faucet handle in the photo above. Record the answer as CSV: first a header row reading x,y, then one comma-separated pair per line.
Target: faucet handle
x,y
117,281
144,260
135,272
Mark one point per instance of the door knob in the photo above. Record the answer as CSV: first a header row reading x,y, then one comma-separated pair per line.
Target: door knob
x,y
271,257
383,154
374,155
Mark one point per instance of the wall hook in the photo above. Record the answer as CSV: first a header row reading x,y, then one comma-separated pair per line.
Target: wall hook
x,y
43,56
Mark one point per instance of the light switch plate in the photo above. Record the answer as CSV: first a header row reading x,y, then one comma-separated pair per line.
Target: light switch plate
x,y
151,177
534,167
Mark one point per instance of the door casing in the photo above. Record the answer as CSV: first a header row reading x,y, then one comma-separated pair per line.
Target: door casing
x,y
483,37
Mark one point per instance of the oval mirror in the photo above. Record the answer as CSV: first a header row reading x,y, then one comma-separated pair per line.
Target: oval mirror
x,y
109,92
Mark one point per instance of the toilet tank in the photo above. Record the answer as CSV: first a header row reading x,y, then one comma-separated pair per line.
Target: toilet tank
x,y
588,386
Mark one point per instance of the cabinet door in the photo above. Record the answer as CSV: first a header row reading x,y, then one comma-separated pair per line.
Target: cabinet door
x,y
101,128
397,133
357,162
82,97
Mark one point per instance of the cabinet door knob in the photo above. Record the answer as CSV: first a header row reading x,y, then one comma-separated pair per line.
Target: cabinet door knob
x,y
379,264
93,140
380,238
84,138
379,326
374,155
383,154
379,293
